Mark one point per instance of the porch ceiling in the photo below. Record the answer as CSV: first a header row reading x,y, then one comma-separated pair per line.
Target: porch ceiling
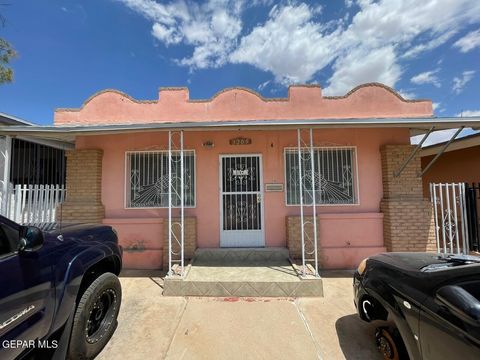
x,y
416,125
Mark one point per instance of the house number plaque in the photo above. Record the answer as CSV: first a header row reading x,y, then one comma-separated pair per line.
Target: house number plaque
x,y
240,141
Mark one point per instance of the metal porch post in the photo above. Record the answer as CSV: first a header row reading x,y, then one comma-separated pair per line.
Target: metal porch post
x,y
176,145
170,203
314,202
181,205
300,178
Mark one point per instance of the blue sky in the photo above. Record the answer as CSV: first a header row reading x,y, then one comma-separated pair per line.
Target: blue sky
x,y
70,49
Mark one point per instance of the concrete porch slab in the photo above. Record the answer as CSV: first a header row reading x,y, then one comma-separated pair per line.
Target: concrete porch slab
x,y
242,273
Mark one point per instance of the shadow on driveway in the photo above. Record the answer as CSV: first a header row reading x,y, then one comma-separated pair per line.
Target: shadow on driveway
x,y
356,338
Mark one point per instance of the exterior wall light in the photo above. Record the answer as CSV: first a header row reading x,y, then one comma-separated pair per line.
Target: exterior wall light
x,y
208,144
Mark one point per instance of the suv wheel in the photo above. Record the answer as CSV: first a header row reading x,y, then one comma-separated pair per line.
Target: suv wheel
x,y
390,344
96,317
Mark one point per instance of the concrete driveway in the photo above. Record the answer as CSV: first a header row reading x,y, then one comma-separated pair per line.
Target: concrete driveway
x,y
155,327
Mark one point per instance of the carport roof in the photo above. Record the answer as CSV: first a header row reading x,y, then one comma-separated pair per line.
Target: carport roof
x,y
10,120
417,125
457,144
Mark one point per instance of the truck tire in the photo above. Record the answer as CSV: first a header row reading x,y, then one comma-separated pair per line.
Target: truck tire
x,y
96,317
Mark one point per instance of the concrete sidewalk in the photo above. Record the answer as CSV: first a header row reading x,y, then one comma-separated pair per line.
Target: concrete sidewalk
x,y
155,327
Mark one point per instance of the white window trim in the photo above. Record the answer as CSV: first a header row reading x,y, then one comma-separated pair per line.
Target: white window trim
x,y
125,207
355,176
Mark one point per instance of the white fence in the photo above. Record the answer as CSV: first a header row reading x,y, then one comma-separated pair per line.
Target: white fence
x,y
32,204
450,214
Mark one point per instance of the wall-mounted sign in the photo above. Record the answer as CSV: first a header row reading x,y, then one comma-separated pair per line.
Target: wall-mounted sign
x,y
274,187
240,141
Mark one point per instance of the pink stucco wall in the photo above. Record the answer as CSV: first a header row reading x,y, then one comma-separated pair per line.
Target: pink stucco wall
x,y
453,166
347,232
141,241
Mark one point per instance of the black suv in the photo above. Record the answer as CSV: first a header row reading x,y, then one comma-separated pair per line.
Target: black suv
x,y
430,304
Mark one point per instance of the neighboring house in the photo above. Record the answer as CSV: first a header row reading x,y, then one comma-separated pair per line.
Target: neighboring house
x,y
459,163
247,172
35,173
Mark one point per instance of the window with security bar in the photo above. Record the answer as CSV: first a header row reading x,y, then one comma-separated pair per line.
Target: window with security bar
x,y
147,179
334,176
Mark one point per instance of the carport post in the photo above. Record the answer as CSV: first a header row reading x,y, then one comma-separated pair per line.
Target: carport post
x,y
441,151
407,161
7,152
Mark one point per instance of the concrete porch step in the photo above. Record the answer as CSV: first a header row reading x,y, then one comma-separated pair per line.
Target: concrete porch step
x,y
240,255
242,273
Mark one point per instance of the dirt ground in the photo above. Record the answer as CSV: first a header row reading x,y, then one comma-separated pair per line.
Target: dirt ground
x,y
152,326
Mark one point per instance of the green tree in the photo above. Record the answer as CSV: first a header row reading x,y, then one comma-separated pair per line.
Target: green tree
x,y
7,53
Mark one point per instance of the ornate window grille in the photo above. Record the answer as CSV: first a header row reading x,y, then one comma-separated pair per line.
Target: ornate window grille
x,y
334,175
148,180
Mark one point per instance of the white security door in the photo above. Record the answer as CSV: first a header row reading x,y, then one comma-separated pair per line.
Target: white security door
x,y
241,214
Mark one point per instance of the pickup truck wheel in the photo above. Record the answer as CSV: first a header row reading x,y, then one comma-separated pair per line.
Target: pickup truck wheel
x,y
96,317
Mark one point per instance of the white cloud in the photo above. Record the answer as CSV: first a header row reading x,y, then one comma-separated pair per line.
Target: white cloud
x,y
255,3
361,66
294,44
460,82
435,105
429,45
407,94
397,25
469,41
289,44
166,34
427,77
263,85
468,113
211,28
394,28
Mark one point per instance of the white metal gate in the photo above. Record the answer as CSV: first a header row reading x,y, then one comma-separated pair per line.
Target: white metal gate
x,y
450,215
241,204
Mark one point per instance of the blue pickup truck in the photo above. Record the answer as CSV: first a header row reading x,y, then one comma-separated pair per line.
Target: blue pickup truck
x,y
59,291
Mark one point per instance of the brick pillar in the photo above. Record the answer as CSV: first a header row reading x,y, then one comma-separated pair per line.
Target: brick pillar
x,y
294,237
190,239
84,188
408,223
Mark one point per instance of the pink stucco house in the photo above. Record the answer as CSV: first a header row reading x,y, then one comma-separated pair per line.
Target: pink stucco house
x,y
241,161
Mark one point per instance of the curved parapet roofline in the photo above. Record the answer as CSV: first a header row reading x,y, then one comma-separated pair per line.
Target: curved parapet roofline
x,y
183,88
241,88
105,91
310,92
247,90
375,84
253,92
